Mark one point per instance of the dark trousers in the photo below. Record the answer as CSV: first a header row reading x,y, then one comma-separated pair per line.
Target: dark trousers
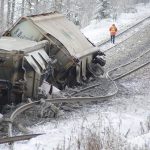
x,y
113,39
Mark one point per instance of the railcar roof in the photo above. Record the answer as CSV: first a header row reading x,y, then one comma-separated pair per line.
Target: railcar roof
x,y
12,43
57,26
64,30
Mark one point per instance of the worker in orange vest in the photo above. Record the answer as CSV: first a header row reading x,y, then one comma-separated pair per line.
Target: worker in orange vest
x,y
113,30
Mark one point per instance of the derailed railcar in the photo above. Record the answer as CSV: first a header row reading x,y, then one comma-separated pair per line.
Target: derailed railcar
x,y
73,54
23,66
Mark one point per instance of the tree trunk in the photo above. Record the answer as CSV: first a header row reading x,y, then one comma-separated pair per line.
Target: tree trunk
x,y
2,16
36,6
8,12
29,3
22,7
12,11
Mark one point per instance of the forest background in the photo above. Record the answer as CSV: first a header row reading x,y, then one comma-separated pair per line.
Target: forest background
x,y
81,12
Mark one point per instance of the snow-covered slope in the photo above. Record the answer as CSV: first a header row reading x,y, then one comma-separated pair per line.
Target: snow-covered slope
x,y
98,31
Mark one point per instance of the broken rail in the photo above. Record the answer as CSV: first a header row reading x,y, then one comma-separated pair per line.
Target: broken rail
x,y
17,138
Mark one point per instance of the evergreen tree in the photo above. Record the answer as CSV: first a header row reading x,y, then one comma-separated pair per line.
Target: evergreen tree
x,y
102,10
107,8
1,15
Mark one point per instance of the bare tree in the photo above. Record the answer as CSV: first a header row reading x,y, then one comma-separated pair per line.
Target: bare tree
x,y
57,5
79,11
12,11
36,6
8,12
23,8
2,15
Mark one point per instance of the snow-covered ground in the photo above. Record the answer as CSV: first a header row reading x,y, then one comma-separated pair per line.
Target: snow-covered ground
x,y
97,32
125,115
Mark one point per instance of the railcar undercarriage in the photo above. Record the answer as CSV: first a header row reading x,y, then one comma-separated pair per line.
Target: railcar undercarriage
x,y
44,48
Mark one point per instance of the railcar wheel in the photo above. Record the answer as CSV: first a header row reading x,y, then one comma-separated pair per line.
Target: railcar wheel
x,y
61,82
95,69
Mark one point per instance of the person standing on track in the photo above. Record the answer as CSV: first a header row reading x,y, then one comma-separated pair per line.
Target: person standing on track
x,y
113,30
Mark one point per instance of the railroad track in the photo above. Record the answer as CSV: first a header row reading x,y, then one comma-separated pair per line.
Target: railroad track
x,y
73,99
27,106
112,75
130,67
11,120
125,35
17,138
123,70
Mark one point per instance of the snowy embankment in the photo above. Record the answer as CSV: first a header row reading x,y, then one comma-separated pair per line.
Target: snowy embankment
x,y
99,31
127,116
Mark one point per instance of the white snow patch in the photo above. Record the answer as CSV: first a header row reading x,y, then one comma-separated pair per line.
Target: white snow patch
x,y
140,141
46,87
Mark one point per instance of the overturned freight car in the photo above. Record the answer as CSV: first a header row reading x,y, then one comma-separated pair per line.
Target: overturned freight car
x,y
45,47
70,49
23,66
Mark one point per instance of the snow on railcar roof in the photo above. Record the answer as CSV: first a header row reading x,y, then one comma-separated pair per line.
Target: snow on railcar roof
x,y
12,43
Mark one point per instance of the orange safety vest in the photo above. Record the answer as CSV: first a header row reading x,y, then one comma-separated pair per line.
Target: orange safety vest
x,y
113,30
